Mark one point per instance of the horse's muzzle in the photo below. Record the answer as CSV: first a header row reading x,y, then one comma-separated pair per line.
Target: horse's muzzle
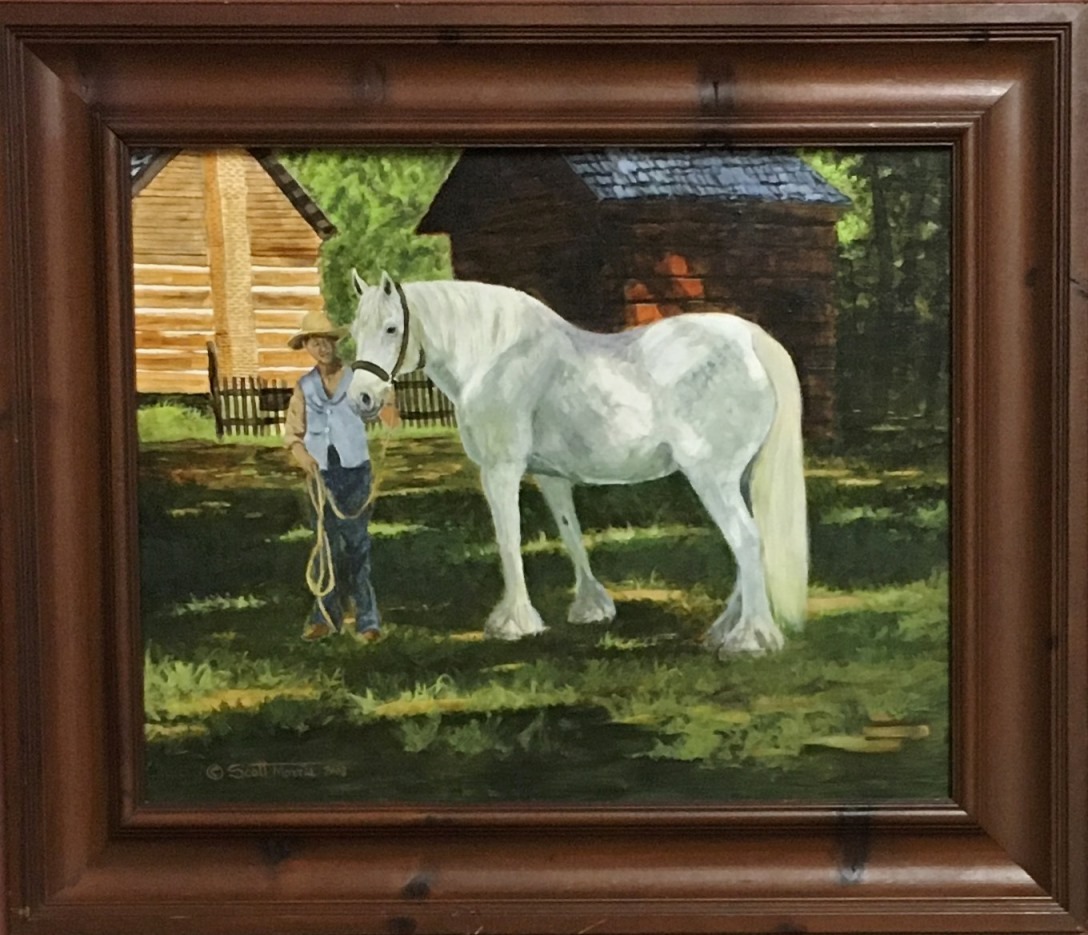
x,y
368,407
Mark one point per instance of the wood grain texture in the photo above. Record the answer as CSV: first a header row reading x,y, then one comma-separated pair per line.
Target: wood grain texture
x,y
181,253
1004,85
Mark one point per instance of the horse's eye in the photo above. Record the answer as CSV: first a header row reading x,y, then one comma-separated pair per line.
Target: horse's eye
x,y
392,329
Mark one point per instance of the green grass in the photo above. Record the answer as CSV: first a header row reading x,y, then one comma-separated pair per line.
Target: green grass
x,y
636,711
169,422
173,421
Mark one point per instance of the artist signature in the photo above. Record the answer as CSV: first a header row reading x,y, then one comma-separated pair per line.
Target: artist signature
x,y
262,769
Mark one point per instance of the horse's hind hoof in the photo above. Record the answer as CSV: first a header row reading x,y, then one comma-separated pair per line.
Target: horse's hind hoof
x,y
747,641
593,604
510,636
751,647
591,614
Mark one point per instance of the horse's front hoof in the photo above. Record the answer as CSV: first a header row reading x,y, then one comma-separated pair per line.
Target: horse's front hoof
x,y
513,623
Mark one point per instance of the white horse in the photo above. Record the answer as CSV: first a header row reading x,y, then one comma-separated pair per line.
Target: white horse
x,y
711,395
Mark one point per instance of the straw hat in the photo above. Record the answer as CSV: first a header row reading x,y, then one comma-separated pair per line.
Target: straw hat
x,y
316,323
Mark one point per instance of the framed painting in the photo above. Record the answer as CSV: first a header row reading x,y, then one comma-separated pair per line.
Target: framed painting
x,y
798,291
262,605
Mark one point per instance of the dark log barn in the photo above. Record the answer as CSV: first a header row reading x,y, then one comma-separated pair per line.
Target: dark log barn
x,y
620,238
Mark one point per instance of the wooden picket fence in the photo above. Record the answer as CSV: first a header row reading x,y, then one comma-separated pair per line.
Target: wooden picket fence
x,y
420,402
254,406
246,405
250,406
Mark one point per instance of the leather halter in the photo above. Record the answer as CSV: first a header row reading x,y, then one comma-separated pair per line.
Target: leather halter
x,y
380,372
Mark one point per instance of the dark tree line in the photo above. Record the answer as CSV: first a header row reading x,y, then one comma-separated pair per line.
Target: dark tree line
x,y
893,286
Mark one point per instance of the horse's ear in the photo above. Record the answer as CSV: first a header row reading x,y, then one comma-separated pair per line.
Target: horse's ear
x,y
357,282
386,283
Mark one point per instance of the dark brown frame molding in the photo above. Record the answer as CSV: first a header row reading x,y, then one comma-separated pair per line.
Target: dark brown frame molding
x,y
1005,85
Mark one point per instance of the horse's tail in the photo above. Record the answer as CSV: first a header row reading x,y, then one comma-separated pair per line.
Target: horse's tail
x,y
777,489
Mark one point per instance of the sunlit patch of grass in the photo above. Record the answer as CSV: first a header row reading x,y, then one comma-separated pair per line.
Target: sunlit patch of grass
x,y
181,689
224,637
414,707
934,517
625,534
170,422
378,529
186,731
240,699
611,641
930,595
615,535
842,470
824,604
294,534
694,601
382,530
205,506
853,743
216,602
656,595
843,516
445,696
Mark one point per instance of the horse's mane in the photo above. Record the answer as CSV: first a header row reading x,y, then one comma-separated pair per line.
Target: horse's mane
x,y
472,319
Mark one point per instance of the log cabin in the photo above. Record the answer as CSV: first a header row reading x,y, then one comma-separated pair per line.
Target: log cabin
x,y
619,238
225,249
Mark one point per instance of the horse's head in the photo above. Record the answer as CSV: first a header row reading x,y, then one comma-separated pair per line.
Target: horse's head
x,y
385,345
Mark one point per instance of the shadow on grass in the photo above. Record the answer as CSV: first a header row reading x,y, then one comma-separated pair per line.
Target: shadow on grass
x,y
194,541
222,562
569,754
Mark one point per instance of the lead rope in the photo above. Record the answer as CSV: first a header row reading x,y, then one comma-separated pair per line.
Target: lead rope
x,y
320,573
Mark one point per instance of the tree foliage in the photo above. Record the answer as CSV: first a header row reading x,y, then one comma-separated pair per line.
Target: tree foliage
x,y
893,284
375,198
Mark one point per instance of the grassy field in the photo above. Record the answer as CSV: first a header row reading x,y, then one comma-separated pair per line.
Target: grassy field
x,y
240,709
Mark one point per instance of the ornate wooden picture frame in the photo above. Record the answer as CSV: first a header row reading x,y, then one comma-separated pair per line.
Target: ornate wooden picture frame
x,y
1005,86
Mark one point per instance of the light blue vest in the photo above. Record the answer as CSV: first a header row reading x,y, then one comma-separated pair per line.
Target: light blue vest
x,y
331,421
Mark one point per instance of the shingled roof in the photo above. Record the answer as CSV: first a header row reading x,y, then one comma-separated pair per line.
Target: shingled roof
x,y
722,175
140,161
145,164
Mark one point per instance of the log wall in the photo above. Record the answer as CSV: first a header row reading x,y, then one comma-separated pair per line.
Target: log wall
x,y
175,311
771,264
615,265
525,226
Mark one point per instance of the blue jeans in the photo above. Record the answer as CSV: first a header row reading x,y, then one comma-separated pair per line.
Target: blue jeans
x,y
349,543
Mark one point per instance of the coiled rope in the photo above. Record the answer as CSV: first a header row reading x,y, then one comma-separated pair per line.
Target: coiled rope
x,y
320,571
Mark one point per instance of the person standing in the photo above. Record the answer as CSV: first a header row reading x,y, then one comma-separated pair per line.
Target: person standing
x,y
327,439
